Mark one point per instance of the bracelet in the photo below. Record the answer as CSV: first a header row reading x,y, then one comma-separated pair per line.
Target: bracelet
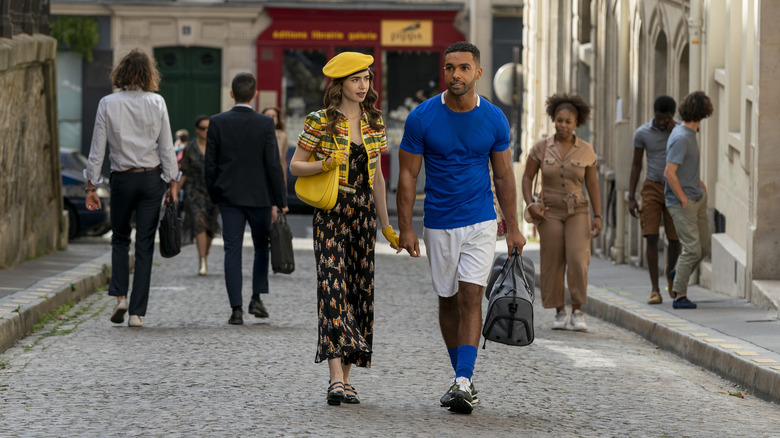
x,y
88,190
596,216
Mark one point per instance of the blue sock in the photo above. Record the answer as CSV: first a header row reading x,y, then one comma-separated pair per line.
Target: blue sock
x,y
453,352
467,357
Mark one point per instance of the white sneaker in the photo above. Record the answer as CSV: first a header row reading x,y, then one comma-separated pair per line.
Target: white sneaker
x,y
462,400
578,321
560,321
118,315
135,321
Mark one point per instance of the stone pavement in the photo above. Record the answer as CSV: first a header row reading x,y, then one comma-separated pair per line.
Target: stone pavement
x,y
188,373
727,335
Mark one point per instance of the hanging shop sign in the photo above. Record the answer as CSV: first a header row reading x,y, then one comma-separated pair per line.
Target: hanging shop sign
x,y
407,33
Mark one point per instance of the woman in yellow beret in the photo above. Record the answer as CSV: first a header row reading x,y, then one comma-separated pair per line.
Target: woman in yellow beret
x,y
347,134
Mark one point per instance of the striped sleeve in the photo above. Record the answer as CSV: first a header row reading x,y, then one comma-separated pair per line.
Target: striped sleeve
x,y
311,135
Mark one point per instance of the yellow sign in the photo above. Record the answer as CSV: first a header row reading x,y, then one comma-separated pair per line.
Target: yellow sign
x,y
407,33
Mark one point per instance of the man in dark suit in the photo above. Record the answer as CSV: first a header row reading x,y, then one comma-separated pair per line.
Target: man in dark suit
x,y
244,177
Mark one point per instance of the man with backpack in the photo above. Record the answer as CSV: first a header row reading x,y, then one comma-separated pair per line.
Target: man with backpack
x,y
458,133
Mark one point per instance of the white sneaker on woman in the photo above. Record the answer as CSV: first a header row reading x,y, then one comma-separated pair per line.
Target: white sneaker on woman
x,y
578,321
560,321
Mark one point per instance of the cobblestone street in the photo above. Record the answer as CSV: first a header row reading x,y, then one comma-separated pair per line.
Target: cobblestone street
x,y
188,373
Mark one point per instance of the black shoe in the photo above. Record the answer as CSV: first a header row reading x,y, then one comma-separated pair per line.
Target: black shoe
x,y
257,308
350,398
237,317
683,303
335,393
446,399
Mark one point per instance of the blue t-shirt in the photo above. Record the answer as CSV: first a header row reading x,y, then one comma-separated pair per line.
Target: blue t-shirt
x,y
653,141
456,149
683,150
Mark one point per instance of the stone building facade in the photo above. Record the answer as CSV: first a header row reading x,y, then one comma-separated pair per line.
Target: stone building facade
x,y
219,38
620,55
31,219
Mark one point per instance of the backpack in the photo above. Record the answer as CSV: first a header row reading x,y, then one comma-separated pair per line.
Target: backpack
x,y
282,255
510,294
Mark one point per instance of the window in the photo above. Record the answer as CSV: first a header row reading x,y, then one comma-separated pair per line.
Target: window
x,y
69,86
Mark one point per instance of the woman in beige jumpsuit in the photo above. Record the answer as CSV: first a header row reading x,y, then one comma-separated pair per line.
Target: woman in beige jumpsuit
x,y
562,218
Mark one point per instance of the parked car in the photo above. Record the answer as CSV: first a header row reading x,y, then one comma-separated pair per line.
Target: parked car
x,y
81,222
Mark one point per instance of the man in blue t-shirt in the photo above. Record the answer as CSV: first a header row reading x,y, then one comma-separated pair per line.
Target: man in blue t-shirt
x,y
651,139
458,134
686,195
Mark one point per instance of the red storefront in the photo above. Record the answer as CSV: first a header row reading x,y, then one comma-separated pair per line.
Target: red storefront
x,y
407,46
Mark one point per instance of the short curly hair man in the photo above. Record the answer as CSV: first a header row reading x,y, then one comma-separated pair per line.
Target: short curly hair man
x,y
571,102
695,107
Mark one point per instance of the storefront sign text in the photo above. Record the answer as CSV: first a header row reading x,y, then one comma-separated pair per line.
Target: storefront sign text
x,y
323,35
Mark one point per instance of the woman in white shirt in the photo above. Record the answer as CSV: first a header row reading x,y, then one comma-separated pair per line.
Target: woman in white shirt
x,y
134,124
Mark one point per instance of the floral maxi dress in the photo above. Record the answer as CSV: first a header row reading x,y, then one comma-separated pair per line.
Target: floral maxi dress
x,y
200,214
344,239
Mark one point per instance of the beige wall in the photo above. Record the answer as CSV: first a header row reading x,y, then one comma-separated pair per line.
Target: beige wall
x,y
31,219
232,29
639,49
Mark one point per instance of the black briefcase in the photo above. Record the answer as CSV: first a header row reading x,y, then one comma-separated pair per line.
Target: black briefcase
x,y
170,231
282,255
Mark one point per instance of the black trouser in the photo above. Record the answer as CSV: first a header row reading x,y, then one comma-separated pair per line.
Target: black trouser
x,y
141,193
234,220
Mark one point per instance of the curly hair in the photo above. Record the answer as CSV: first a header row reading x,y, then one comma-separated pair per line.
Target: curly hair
x,y
571,102
136,71
695,107
664,105
279,122
332,101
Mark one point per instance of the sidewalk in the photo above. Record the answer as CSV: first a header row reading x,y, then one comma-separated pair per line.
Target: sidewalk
x,y
729,336
726,335
38,287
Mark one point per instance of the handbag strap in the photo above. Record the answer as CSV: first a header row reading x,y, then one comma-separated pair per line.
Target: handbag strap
x,y
516,257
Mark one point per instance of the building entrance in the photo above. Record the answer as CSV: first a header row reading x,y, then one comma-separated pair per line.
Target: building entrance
x,y
191,83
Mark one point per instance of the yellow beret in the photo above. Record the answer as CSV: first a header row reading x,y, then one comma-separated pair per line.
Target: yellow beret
x,y
347,63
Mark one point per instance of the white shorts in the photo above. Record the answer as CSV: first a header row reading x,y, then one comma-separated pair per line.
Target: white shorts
x,y
460,255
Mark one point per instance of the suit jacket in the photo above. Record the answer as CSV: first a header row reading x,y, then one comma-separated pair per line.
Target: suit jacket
x,y
242,160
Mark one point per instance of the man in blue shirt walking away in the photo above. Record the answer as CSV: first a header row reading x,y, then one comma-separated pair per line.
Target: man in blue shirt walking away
x,y
458,134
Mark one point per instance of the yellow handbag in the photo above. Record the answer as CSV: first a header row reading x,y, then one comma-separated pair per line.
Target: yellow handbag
x,y
319,190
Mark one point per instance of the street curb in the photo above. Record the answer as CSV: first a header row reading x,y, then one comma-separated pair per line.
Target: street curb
x,y
700,345
731,358
20,311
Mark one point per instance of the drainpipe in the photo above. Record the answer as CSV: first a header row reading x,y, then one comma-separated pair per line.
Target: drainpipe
x,y
695,24
622,137
473,21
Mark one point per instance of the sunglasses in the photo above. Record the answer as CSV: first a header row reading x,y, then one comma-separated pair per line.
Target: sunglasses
x,y
203,128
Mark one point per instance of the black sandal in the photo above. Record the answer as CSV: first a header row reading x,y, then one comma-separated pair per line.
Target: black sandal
x,y
350,398
335,393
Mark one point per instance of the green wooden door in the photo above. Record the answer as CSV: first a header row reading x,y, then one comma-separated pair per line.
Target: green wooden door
x,y
191,83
